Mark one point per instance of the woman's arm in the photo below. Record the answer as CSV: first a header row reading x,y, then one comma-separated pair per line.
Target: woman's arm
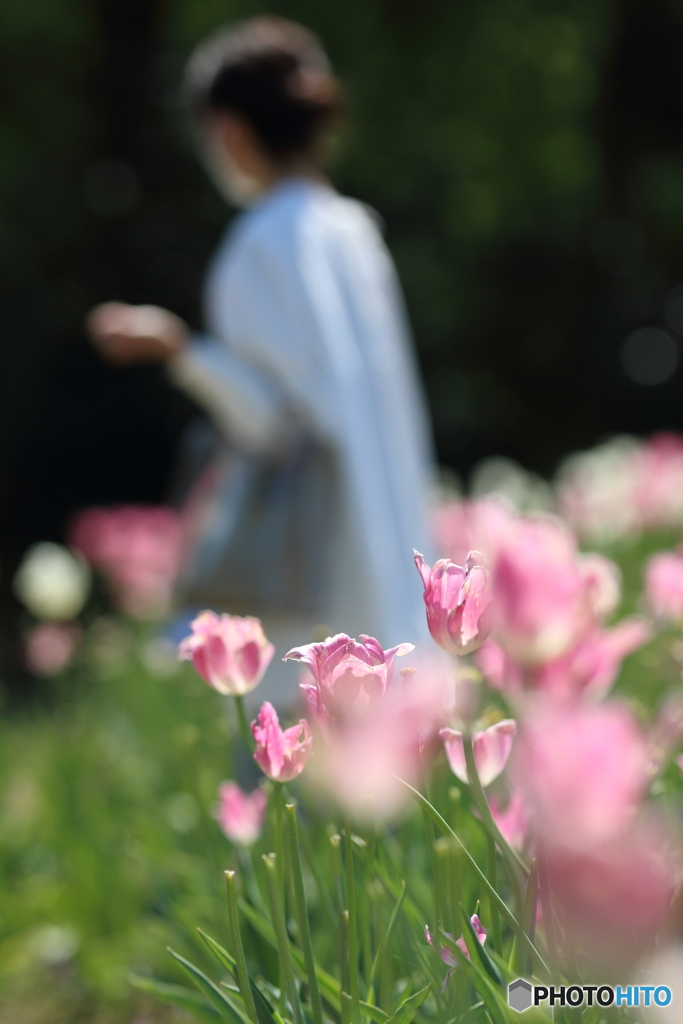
x,y
243,403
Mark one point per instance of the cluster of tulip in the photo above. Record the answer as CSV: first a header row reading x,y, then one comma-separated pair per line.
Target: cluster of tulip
x,y
591,862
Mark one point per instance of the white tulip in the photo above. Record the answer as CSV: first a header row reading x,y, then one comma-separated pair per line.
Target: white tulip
x,y
52,582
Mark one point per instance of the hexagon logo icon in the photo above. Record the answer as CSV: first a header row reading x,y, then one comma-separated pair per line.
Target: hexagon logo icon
x,y
519,995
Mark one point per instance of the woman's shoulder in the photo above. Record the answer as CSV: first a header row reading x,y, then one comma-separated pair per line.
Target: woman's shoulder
x,y
299,208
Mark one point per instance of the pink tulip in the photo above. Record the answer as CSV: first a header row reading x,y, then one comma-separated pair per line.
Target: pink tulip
x,y
138,548
348,676
491,750
614,898
590,668
596,491
658,493
582,770
587,670
462,526
240,814
447,954
498,669
365,760
50,647
231,653
602,584
539,593
280,754
512,821
666,732
664,586
457,601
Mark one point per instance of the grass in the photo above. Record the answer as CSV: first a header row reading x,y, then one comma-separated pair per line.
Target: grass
x,y
107,843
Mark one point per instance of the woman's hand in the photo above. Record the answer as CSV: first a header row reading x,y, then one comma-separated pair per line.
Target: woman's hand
x,y
136,334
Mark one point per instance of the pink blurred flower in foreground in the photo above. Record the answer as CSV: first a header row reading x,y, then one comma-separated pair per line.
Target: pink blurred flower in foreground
x,y
591,667
587,670
50,647
280,754
666,731
365,760
512,821
240,814
447,954
602,584
658,493
472,525
539,591
457,601
349,676
596,490
664,586
582,770
138,548
230,652
491,750
614,898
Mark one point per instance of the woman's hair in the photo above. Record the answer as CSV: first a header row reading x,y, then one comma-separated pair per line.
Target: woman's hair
x,y
275,74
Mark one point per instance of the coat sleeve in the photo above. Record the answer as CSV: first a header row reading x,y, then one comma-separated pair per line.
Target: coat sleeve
x,y
245,404
265,373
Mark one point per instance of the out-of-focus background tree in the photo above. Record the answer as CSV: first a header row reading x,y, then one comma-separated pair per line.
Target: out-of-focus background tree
x,y
525,155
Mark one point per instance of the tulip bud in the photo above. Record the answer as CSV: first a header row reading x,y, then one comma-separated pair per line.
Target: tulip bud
x,y
457,601
280,754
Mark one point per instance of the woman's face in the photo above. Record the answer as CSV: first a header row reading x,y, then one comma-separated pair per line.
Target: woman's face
x,y
234,160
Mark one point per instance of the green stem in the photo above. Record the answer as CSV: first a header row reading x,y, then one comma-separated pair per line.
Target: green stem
x,y
518,959
505,911
353,923
515,863
335,843
547,907
278,919
278,799
242,973
323,889
493,910
243,724
441,856
301,908
431,839
344,967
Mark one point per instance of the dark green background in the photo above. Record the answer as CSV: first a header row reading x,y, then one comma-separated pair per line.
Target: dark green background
x,y
500,140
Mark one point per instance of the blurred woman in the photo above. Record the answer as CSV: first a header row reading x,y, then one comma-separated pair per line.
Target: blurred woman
x,y
307,368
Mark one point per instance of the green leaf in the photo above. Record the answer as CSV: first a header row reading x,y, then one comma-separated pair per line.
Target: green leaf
x,y
410,1006
383,944
264,1011
470,1016
178,995
375,1013
330,988
219,999
481,877
222,955
490,994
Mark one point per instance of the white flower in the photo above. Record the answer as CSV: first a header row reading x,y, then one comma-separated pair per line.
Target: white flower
x,y
52,582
